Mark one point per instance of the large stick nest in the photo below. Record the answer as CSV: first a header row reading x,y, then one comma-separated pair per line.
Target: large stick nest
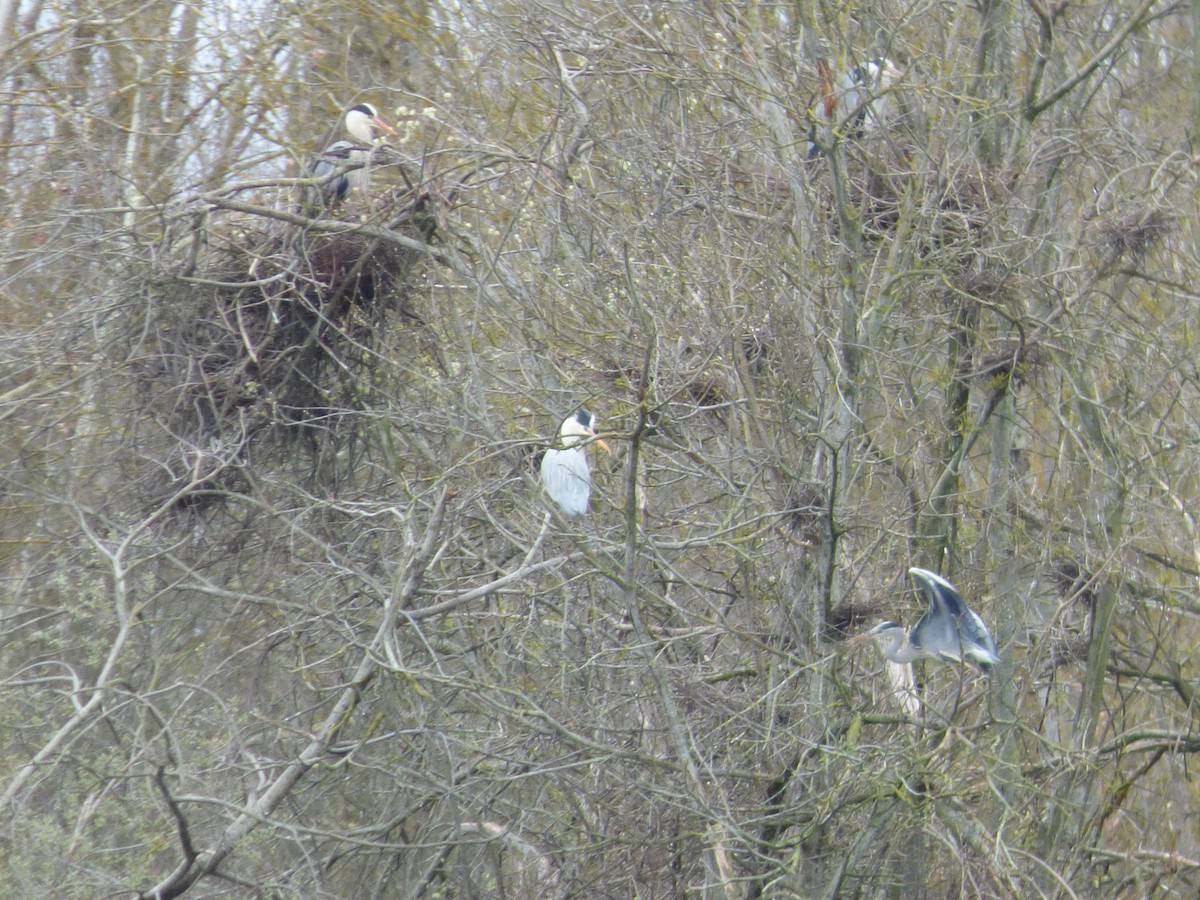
x,y
272,324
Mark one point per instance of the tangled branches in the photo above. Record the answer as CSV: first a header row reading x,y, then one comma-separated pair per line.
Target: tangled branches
x,y
264,322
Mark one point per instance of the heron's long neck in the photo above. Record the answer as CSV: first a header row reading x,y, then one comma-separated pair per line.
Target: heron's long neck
x,y
360,129
901,650
572,440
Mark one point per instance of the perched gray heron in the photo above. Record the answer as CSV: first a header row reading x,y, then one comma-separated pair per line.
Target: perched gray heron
x,y
948,631
565,472
858,102
361,122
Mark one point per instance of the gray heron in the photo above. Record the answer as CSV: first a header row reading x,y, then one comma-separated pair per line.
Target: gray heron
x,y
362,122
857,103
949,630
565,472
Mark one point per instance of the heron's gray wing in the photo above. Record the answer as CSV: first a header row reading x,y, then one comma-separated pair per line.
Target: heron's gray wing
x,y
333,158
566,479
940,593
978,641
951,628
936,634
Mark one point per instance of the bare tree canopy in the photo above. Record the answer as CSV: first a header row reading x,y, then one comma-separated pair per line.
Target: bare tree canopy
x,y
287,611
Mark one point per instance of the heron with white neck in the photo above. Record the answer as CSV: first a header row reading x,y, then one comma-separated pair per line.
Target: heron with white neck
x,y
949,631
350,159
566,475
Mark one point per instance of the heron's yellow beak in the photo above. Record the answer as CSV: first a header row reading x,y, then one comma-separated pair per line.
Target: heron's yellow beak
x,y
603,446
383,126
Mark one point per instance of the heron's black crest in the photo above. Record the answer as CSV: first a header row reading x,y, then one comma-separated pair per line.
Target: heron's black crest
x,y
586,418
869,70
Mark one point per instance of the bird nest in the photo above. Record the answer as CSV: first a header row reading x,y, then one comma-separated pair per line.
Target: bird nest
x,y
270,324
1136,232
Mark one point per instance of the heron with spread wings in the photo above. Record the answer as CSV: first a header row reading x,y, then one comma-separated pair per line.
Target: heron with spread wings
x,y
949,631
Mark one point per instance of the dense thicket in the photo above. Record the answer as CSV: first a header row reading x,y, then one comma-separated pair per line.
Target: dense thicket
x,y
285,610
